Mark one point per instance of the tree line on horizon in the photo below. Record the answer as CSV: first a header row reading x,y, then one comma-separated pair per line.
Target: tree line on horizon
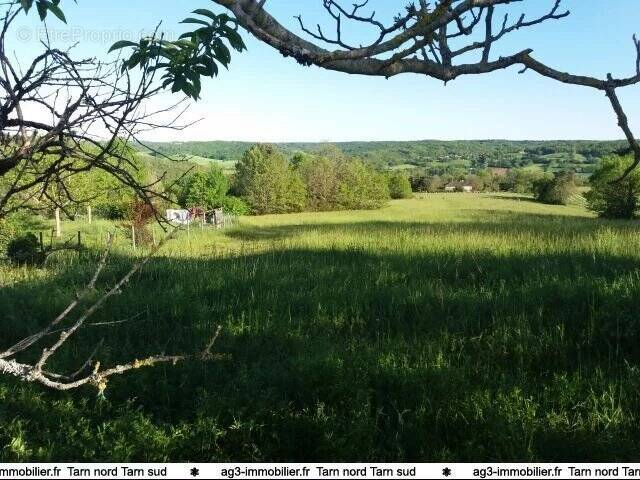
x,y
439,157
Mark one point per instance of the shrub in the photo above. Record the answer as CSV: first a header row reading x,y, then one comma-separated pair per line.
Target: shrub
x,y
612,196
556,190
25,249
141,214
8,229
399,185
268,183
426,183
235,206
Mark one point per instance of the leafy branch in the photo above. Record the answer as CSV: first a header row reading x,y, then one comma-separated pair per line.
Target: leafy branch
x,y
195,54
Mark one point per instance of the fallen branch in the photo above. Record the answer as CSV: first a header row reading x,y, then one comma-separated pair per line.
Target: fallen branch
x,y
98,377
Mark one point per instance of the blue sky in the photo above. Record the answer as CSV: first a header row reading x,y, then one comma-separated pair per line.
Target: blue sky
x,y
265,97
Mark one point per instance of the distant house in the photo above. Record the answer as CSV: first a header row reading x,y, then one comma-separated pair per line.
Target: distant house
x,y
458,187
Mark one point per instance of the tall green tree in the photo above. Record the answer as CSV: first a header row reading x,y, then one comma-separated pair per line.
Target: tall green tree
x,y
268,183
399,185
321,177
204,189
361,187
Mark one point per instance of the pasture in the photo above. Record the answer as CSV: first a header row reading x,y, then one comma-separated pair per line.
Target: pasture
x,y
449,327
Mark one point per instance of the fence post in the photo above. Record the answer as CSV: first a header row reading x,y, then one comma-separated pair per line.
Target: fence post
x,y
58,223
79,239
133,236
41,243
89,214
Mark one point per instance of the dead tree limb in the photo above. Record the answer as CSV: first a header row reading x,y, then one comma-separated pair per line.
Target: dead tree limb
x,y
37,372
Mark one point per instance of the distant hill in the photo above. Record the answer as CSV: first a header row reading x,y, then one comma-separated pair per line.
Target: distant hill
x,y
435,155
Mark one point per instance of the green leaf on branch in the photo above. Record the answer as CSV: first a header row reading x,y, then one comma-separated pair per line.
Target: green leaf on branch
x,y
44,7
122,44
195,54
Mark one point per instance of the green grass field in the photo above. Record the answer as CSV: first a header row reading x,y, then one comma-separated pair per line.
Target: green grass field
x,y
446,327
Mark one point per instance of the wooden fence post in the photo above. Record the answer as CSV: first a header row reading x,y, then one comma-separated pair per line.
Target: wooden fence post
x,y
89,214
133,236
79,239
58,223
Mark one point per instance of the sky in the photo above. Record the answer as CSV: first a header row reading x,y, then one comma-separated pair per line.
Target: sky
x,y
265,97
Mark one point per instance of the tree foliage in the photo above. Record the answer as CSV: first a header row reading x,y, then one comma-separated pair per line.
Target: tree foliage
x,y
557,189
209,190
361,187
268,183
183,62
399,185
204,189
324,181
522,180
194,55
321,174
612,196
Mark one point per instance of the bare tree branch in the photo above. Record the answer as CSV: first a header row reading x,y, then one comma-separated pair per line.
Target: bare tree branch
x,y
421,40
83,116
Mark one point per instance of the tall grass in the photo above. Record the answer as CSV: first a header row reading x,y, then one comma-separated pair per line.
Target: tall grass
x,y
446,327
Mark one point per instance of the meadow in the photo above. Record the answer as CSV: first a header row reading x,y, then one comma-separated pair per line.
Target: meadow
x,y
448,327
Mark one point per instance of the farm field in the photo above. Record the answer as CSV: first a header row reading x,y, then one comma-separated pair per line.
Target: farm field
x,y
448,327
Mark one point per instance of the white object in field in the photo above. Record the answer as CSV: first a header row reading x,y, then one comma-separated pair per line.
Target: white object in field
x,y
178,216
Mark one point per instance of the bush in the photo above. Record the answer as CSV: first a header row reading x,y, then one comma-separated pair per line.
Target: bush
x,y
235,206
25,249
141,214
613,197
556,190
268,183
112,211
425,183
399,186
8,230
